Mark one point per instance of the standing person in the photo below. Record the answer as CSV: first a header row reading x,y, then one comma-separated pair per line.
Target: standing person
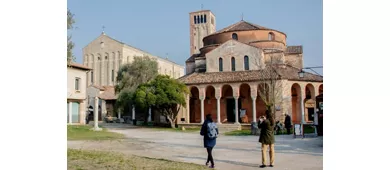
x,y
287,123
267,139
210,133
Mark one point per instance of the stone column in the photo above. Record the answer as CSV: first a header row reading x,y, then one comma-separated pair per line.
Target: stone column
x,y
150,115
236,109
188,109
96,115
133,113
82,112
104,109
219,110
70,112
218,97
302,108
254,108
202,109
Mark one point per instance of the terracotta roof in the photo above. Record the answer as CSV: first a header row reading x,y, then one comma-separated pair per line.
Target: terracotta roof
x,y
80,66
243,26
287,72
108,94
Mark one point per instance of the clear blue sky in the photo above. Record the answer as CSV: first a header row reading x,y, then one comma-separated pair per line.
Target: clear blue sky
x,y
162,27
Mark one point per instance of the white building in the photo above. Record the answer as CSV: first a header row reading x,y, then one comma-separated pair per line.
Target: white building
x,y
77,93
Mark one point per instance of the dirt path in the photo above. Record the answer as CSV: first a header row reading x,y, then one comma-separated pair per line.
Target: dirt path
x,y
231,152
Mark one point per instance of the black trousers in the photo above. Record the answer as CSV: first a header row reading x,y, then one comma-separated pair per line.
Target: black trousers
x,y
210,156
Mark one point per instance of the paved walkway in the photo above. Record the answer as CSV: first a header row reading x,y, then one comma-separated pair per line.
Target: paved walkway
x,y
231,152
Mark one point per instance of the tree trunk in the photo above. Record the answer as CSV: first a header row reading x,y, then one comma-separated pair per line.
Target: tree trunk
x,y
172,122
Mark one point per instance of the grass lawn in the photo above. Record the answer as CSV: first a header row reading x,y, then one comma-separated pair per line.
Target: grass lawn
x,y
244,132
83,132
98,160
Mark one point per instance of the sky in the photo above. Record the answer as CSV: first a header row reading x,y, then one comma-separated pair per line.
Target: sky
x,y
162,27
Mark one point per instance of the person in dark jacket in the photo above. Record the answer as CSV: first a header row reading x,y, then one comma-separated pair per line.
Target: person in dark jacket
x,y
267,139
208,142
287,123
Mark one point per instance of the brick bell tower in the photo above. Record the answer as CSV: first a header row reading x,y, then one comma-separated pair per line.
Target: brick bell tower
x,y
202,24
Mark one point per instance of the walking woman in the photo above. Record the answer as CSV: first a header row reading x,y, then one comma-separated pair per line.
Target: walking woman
x,y
210,133
267,139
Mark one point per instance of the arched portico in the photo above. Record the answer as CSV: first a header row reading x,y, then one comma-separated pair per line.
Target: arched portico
x,y
194,105
295,103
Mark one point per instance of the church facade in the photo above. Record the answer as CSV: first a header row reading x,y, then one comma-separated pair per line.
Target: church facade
x,y
230,70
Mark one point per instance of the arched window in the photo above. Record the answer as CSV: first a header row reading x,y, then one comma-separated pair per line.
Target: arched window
x,y
234,36
204,18
195,19
271,36
201,19
233,64
246,62
220,64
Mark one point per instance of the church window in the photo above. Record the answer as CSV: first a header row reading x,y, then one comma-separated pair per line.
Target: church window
x,y
271,36
201,19
91,76
197,19
234,36
220,64
204,18
194,19
246,62
233,64
112,75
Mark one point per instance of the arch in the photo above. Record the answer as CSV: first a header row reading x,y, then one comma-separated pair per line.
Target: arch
x,y
271,36
201,19
119,59
220,64
246,62
204,18
235,36
194,105
107,71
296,115
86,60
320,89
98,72
210,103
197,19
245,103
233,64
310,91
227,104
91,65
309,107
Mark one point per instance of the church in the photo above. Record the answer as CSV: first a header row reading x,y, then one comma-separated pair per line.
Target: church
x,y
228,69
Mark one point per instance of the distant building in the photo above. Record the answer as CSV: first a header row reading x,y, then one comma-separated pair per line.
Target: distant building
x,y
225,72
76,93
105,55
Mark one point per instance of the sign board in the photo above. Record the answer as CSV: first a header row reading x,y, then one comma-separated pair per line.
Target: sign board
x,y
310,103
297,130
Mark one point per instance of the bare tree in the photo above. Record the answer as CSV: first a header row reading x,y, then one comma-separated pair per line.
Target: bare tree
x,y
271,87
